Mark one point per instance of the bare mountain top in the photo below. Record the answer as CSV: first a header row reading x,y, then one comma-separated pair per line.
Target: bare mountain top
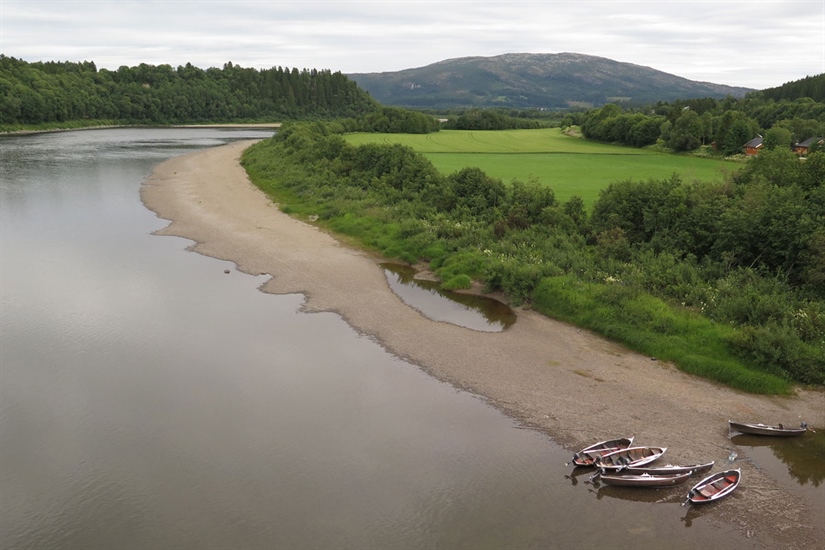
x,y
525,80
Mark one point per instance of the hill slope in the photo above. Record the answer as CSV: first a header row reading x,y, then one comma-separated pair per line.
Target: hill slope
x,y
523,80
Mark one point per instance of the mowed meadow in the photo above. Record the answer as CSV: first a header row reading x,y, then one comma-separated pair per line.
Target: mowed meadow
x,y
568,165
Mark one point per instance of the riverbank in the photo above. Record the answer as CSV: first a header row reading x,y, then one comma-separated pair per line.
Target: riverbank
x,y
262,125
566,382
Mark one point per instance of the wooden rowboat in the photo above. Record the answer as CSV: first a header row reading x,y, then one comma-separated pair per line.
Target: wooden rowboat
x,y
626,458
632,457
714,487
765,429
586,456
644,480
695,469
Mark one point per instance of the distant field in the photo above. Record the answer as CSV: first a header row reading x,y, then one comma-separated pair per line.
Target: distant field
x,y
568,165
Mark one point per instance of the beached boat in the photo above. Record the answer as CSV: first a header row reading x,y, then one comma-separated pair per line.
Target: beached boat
x,y
631,457
644,480
695,469
714,487
765,429
586,456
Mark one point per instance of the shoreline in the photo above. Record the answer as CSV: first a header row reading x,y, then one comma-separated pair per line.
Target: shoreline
x,y
566,382
228,125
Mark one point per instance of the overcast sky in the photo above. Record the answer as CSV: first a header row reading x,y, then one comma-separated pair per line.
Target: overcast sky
x,y
751,43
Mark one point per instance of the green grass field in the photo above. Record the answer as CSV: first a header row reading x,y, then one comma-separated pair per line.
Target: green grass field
x,y
568,165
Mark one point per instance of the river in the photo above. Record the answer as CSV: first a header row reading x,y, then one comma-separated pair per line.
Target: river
x,y
149,399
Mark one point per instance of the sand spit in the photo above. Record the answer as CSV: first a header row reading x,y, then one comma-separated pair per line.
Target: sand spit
x,y
566,382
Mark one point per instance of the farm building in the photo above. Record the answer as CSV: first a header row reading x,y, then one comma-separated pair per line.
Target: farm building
x,y
802,147
753,146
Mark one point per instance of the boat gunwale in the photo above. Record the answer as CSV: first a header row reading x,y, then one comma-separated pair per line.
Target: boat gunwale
x,y
727,490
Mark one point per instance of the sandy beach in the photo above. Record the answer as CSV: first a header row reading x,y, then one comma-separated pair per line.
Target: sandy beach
x,y
568,383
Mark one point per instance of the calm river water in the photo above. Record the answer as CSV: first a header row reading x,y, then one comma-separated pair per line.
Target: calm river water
x,y
149,400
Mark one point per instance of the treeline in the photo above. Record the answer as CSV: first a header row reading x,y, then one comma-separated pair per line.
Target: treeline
x,y
477,119
611,124
810,86
724,126
725,279
393,120
56,92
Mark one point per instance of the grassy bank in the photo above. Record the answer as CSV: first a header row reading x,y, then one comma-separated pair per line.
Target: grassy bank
x,y
729,324
652,327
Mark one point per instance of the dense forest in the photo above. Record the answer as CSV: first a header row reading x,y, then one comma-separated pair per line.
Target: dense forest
x,y
783,116
56,92
725,279
811,86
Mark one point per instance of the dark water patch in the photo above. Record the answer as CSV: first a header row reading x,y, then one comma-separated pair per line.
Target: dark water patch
x,y
470,311
797,462
641,494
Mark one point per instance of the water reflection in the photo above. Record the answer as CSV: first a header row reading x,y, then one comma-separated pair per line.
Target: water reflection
x,y
803,456
475,312
639,494
576,473
693,513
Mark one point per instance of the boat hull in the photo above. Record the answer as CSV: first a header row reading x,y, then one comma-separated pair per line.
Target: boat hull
x,y
694,469
644,480
765,429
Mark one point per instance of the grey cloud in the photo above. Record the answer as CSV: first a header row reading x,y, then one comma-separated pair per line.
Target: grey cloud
x,y
729,42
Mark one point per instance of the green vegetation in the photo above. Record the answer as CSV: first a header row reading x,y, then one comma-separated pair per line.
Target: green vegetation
x,y
724,278
59,95
388,120
723,125
570,166
811,86
475,119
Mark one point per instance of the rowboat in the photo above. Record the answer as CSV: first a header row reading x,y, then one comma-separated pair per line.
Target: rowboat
x,y
586,456
626,458
714,487
644,480
632,457
695,469
765,429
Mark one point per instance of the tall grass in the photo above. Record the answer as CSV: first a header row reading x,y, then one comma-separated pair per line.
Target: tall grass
x,y
650,326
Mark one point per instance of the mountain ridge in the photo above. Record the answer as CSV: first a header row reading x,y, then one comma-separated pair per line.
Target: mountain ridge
x,y
533,80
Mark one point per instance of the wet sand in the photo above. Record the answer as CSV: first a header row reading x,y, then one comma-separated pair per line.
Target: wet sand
x,y
572,385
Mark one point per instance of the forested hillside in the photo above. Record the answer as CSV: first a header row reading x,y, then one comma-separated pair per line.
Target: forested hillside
x,y
811,86
533,81
55,92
